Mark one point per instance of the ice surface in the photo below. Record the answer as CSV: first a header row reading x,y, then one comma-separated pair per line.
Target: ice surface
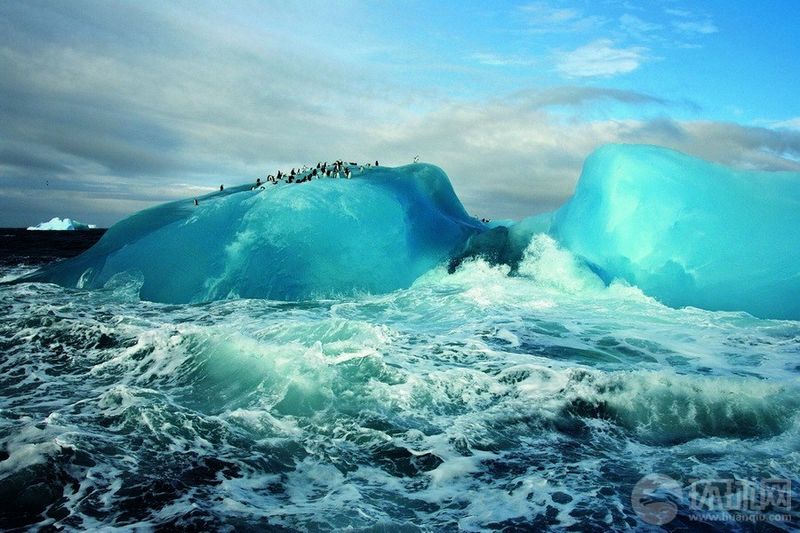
x,y
374,233
686,231
58,224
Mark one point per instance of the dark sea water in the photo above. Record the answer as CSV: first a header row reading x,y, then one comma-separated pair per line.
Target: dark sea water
x,y
469,401
23,248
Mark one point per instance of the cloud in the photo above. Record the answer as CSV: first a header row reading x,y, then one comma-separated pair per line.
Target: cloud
x,y
509,158
546,14
498,60
704,27
638,27
691,24
791,124
600,59
678,12
106,109
137,98
541,17
579,96
746,147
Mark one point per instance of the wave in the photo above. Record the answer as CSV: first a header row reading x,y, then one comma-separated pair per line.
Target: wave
x,y
530,390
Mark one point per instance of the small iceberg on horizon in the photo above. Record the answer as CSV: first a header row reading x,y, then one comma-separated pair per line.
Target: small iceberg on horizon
x,y
61,224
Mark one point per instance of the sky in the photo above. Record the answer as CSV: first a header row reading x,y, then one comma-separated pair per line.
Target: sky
x,y
108,107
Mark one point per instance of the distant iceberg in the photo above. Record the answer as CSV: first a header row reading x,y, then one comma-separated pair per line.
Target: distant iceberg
x,y
61,224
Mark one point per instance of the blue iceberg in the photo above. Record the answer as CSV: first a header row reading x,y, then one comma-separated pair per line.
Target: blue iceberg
x,y
376,232
686,231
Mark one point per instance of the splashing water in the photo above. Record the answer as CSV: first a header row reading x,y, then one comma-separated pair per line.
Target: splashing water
x,y
473,400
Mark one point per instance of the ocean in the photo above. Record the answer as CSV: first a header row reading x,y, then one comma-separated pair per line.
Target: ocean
x,y
475,400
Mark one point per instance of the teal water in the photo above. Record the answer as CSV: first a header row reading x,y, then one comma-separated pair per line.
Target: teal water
x,y
476,400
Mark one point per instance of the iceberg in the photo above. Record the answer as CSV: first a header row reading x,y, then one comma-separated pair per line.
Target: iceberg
x,y
59,224
686,231
374,233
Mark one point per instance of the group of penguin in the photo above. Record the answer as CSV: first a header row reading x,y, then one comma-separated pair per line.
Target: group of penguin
x,y
338,169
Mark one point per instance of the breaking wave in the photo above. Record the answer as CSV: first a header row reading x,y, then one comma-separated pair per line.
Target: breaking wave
x,y
476,400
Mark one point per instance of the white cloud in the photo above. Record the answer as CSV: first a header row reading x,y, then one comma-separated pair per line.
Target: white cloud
x,y
705,27
790,124
678,12
638,27
546,14
544,18
499,60
600,59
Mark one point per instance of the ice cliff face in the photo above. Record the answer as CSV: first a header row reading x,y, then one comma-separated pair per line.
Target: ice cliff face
x,y
324,238
686,231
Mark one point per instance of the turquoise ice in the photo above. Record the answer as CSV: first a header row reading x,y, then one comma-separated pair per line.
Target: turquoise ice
x,y
686,231
374,233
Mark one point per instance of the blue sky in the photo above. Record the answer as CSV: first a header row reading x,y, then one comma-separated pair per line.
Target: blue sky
x,y
107,107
